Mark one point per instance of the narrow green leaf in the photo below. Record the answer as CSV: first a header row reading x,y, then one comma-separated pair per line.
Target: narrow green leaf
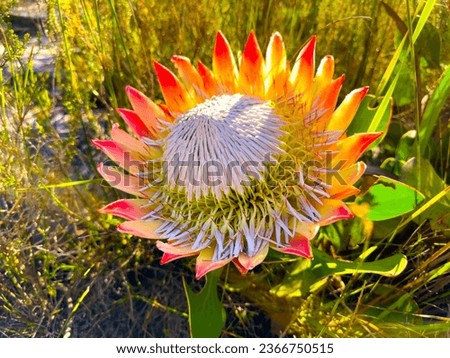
x,y
433,109
440,327
425,179
440,271
401,26
423,19
404,93
389,198
428,46
367,253
432,204
398,52
62,185
377,120
389,266
390,69
390,307
206,312
309,275
399,309
419,7
80,300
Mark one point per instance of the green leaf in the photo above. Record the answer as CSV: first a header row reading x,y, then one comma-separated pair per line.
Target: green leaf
x,y
389,198
428,46
389,266
345,234
401,26
392,165
206,313
440,327
423,19
390,307
404,93
309,275
385,228
431,185
388,74
400,308
61,185
385,105
433,109
405,145
366,115
440,271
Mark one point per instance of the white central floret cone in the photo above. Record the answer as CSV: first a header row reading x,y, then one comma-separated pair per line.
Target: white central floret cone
x,y
221,144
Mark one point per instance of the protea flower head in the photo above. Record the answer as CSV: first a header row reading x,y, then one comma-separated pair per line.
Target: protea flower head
x,y
239,159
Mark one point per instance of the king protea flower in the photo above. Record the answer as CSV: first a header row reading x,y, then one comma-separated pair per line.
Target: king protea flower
x,y
239,159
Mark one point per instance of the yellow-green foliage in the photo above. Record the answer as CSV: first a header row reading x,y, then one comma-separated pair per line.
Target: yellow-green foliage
x,y
111,43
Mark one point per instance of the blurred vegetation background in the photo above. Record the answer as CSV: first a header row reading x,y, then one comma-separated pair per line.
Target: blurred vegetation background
x,y
65,271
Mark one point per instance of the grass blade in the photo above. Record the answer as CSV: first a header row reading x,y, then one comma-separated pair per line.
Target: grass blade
x,y
423,19
433,109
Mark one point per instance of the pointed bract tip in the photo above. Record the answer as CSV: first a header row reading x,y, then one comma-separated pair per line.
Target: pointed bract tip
x,y
252,51
166,258
277,34
165,76
104,144
360,92
239,266
310,46
276,40
204,266
220,35
179,58
134,94
221,46
95,142
131,91
252,39
156,65
299,246
364,90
